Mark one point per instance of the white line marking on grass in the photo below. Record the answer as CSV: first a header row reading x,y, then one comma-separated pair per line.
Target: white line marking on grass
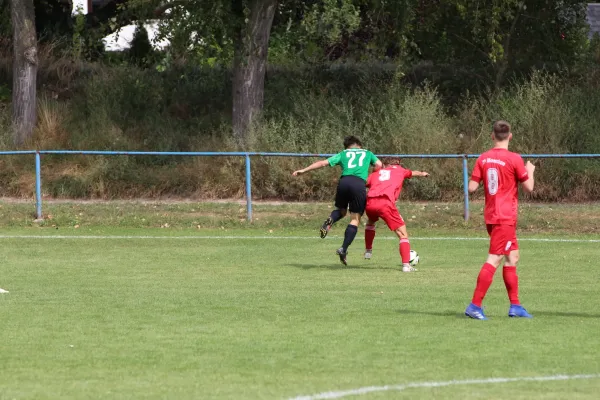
x,y
216,237
148,237
415,385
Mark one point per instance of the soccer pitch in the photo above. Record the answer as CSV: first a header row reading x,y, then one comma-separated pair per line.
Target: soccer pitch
x,y
113,315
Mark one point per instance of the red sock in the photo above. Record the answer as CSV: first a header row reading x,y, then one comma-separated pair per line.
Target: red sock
x,y
369,236
405,251
484,280
511,281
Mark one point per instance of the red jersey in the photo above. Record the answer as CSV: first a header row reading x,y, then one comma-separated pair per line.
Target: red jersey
x,y
501,171
387,182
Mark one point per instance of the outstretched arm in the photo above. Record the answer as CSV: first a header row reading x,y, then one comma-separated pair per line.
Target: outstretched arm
x,y
420,173
315,165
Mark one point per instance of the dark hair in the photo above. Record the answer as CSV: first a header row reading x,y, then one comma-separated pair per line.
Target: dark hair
x,y
501,130
390,160
351,140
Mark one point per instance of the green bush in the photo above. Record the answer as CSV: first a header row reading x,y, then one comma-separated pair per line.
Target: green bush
x,y
307,110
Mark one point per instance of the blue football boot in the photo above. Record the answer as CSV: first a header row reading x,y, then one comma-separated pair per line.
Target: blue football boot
x,y
475,312
518,311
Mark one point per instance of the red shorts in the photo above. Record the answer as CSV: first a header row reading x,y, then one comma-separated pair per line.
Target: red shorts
x,y
382,207
503,238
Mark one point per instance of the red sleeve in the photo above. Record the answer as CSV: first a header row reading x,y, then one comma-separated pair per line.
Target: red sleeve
x,y
407,174
520,171
477,171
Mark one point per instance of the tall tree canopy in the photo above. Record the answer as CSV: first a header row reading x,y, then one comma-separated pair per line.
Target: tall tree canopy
x,y
482,42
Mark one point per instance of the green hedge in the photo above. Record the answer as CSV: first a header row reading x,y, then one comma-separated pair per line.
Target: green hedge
x,y
307,110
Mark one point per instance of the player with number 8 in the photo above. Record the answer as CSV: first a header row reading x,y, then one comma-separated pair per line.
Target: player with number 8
x,y
385,186
500,170
351,194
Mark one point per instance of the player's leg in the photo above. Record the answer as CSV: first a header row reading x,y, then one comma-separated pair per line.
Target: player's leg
x,y
349,236
341,208
511,281
373,217
487,271
402,234
369,238
357,195
335,216
395,222
484,281
486,277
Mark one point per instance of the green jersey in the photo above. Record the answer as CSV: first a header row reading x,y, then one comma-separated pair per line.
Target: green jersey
x,y
354,161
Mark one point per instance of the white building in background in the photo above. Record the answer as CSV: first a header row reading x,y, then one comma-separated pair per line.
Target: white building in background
x,y
82,6
121,39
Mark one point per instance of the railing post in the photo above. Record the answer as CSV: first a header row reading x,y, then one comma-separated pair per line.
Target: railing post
x,y
466,185
38,185
248,188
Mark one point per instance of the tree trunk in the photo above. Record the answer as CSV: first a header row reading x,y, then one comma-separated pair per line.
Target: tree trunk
x,y
503,67
24,70
250,64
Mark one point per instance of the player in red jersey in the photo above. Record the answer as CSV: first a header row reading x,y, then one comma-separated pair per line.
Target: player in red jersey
x,y
385,186
500,171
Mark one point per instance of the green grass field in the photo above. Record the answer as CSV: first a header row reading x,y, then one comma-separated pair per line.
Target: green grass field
x,y
256,318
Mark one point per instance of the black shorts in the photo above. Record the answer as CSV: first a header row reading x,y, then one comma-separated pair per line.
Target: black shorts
x,y
351,194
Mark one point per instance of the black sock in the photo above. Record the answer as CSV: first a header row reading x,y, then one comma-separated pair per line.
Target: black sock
x,y
336,215
349,236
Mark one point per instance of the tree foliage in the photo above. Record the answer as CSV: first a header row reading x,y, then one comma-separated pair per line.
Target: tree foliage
x,y
456,45
493,38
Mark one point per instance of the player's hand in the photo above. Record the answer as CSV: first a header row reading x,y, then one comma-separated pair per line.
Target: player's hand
x,y
425,174
299,172
530,167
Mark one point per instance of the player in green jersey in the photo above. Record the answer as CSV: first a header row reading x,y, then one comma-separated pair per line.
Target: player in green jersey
x,y
351,191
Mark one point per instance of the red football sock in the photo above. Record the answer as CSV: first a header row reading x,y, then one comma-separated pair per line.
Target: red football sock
x,y
484,280
405,251
369,236
511,281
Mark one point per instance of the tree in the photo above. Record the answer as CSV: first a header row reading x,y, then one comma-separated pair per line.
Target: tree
x,y
251,46
24,70
493,40
237,33
141,52
456,44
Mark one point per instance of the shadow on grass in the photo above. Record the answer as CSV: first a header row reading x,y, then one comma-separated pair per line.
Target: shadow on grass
x,y
564,314
448,313
338,266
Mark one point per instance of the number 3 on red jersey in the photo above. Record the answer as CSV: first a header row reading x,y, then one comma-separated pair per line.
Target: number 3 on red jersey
x,y
384,175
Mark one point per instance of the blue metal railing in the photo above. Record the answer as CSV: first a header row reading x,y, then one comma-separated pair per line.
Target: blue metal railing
x,y
247,156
